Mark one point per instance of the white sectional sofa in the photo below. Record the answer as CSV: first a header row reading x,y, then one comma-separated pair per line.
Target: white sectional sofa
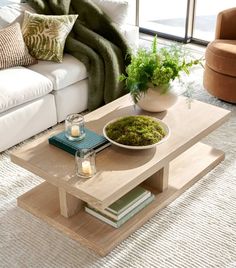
x,y
35,98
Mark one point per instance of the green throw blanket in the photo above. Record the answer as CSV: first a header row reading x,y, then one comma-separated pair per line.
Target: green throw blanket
x,y
96,42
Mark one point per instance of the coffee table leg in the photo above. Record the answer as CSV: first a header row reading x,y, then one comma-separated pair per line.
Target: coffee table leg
x,y
69,204
159,180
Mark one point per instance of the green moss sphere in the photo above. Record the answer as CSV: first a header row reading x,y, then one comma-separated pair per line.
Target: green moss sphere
x,y
137,130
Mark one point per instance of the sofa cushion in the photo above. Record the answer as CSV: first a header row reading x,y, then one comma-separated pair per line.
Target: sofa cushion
x,y
62,74
12,12
5,3
45,35
20,85
13,51
221,56
117,10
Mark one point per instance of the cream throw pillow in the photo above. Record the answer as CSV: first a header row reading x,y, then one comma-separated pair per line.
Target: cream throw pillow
x,y
13,51
45,35
117,10
12,13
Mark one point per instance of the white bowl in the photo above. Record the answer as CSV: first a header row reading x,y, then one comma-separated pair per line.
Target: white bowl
x,y
164,125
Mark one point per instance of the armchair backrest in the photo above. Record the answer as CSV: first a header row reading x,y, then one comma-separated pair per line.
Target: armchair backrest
x,y
226,24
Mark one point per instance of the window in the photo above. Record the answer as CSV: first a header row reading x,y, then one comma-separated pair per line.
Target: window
x,y
184,20
157,16
205,17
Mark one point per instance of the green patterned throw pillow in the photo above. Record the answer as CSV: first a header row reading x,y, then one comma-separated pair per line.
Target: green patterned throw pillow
x,y
45,35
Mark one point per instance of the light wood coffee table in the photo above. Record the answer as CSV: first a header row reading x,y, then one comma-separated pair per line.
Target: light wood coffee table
x,y
168,170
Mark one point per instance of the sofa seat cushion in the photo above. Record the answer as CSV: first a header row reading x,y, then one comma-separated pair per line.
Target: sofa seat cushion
x,y
221,56
20,85
63,74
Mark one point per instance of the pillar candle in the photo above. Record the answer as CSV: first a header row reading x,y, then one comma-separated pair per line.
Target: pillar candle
x,y
86,167
75,131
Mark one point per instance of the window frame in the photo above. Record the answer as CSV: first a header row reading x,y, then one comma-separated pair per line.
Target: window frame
x,y
189,26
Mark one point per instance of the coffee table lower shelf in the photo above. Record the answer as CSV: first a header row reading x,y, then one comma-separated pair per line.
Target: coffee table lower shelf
x,y
43,202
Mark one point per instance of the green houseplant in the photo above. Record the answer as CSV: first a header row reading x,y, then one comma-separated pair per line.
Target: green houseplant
x,y
155,69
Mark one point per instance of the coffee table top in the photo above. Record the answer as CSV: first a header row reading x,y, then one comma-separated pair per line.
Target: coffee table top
x,y
119,169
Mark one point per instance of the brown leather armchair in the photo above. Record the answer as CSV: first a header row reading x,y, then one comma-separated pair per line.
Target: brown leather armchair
x,y
220,68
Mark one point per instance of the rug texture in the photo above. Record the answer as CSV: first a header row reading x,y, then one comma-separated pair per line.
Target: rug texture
x,y
197,230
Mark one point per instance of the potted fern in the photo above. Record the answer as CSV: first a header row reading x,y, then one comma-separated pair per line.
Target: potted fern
x,y
150,74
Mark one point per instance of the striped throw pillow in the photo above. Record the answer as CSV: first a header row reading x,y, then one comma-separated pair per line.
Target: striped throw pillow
x,y
45,35
13,51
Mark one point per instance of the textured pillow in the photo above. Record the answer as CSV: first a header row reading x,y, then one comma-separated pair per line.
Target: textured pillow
x,y
117,10
13,51
45,35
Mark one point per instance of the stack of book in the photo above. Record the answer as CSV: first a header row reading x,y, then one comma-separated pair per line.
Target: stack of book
x,y
124,208
92,140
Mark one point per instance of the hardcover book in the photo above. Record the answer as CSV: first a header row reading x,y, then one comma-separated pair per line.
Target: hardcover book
x,y
125,204
124,219
127,200
92,140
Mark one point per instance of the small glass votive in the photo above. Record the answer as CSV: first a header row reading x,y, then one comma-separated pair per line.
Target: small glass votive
x,y
74,127
85,163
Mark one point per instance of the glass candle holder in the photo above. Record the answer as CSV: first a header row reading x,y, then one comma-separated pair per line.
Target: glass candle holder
x,y
74,127
85,163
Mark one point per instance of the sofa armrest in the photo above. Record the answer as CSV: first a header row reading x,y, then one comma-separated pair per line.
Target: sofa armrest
x,y
131,34
226,24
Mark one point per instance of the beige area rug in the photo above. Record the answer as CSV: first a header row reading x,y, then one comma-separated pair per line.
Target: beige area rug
x,y
196,230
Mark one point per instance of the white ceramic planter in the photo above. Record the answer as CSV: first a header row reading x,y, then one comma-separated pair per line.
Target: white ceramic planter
x,y
154,101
